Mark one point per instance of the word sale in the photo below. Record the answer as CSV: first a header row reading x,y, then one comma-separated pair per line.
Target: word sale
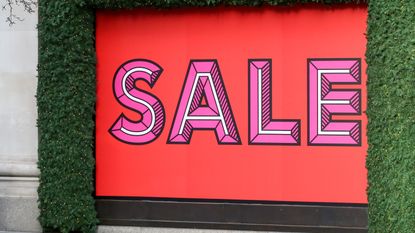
x,y
204,81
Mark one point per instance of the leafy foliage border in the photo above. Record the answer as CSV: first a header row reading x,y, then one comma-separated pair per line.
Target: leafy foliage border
x,y
66,98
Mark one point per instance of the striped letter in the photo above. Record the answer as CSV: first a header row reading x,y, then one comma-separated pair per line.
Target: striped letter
x,y
262,128
204,105
324,102
152,112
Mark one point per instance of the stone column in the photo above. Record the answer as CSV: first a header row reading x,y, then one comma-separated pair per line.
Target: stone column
x,y
18,132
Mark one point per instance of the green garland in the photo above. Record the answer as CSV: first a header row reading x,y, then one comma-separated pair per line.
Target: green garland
x,y
391,110
66,98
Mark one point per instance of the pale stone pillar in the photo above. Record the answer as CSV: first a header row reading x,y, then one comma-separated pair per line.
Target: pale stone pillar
x,y
18,132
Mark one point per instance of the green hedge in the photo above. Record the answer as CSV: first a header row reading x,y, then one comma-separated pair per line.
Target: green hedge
x,y
391,89
66,98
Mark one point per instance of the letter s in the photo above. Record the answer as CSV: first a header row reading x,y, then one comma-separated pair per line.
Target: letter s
x,y
152,121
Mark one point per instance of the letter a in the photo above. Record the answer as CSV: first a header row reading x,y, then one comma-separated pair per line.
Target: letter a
x,y
204,104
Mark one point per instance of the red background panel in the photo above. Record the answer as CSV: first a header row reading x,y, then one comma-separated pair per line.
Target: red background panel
x,y
204,169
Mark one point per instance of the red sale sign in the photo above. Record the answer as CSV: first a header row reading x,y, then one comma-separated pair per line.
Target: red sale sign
x,y
232,103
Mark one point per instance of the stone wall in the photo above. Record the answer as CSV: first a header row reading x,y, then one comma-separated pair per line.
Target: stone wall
x,y
18,134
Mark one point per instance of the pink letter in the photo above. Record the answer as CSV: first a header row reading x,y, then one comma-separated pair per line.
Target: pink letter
x,y
151,124
324,102
262,128
204,83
